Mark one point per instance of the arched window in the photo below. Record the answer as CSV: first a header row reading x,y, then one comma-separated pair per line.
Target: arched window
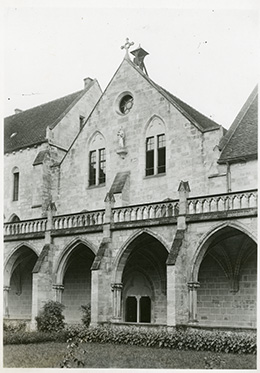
x,y
97,161
155,148
15,184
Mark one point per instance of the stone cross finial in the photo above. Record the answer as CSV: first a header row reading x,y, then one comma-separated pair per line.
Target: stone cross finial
x,y
127,45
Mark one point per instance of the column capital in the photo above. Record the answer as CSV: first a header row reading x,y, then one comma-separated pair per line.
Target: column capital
x,y
193,285
59,287
117,285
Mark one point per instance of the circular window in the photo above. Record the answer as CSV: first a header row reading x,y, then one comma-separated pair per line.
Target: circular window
x,y
126,104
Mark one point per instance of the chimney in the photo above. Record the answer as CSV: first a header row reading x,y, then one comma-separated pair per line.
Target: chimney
x,y
140,54
87,82
17,111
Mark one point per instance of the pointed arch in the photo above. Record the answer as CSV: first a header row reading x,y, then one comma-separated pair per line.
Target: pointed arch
x,y
125,250
13,218
207,240
12,258
154,118
64,257
96,136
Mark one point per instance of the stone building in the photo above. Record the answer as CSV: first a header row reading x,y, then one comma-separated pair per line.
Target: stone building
x,y
133,201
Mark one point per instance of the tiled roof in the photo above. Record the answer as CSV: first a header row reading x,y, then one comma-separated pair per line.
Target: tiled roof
x,y
202,122
240,141
29,127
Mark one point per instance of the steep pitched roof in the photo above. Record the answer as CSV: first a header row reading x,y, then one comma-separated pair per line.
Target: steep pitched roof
x,y
202,122
240,141
29,127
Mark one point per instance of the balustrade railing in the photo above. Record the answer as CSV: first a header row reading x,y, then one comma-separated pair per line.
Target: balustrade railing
x,y
25,226
146,211
165,209
222,202
82,219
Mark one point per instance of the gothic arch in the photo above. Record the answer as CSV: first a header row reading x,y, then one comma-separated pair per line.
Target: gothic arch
x,y
12,258
124,252
151,119
13,218
65,255
206,241
94,136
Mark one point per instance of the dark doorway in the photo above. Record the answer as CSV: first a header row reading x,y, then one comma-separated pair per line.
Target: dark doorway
x,y
145,309
131,309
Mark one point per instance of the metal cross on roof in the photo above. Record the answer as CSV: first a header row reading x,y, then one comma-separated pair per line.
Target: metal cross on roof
x,y
127,45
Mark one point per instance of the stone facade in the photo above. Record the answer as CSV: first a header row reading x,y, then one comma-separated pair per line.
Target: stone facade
x,y
177,246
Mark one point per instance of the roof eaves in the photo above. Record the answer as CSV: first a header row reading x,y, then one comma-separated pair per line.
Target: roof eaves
x,y
238,159
28,145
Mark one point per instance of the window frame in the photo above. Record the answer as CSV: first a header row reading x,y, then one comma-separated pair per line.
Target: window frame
x,y
16,182
97,167
156,156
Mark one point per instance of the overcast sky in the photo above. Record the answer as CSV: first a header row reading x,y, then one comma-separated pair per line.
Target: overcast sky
x,y
205,53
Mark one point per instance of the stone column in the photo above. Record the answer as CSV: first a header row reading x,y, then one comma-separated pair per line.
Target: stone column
x,y
117,301
6,296
193,286
58,291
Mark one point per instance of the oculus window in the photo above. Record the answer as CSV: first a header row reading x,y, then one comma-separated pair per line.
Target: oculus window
x,y
126,103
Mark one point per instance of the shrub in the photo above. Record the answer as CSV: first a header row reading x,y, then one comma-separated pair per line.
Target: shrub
x,y
18,326
51,318
86,317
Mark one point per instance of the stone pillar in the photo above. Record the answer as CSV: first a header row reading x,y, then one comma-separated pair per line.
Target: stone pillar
x,y
117,301
6,305
109,204
183,190
58,292
171,292
51,209
192,287
94,297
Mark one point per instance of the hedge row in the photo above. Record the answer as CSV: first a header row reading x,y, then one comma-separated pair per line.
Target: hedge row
x,y
200,340
33,337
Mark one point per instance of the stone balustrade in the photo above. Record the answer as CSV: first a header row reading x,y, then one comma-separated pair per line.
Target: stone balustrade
x,y
222,202
82,219
159,210
146,211
25,226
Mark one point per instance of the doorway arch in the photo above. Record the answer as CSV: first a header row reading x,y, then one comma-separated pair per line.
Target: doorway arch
x,y
141,270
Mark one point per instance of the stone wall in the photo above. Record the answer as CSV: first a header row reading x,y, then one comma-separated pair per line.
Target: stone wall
x,y
187,149
217,305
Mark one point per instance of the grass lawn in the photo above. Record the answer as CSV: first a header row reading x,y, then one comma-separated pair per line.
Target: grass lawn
x,y
49,355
